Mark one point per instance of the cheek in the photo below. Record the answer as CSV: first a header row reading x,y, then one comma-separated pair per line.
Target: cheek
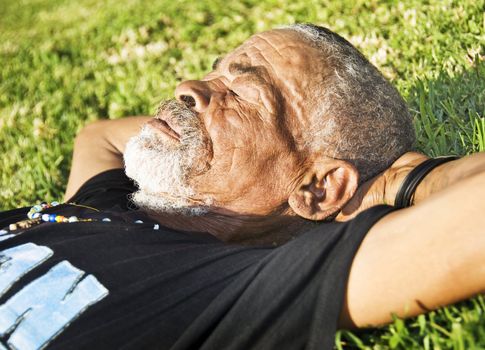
x,y
245,162
244,142
233,125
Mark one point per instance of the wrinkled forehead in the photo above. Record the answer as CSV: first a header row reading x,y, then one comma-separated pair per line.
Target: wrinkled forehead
x,y
282,51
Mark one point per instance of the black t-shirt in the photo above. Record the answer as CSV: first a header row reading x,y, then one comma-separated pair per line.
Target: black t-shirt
x,y
122,284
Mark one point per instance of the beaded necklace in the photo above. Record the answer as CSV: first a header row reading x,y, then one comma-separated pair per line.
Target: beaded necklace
x,y
35,217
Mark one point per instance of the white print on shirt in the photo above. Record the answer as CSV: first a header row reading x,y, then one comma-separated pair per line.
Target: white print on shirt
x,y
41,310
17,261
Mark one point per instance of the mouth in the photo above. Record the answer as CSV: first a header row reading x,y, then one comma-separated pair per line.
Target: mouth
x,y
164,127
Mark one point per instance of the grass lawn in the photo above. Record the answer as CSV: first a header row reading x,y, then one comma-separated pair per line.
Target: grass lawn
x,y
66,63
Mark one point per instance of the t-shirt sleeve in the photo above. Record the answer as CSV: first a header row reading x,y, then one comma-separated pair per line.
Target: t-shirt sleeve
x,y
292,299
106,190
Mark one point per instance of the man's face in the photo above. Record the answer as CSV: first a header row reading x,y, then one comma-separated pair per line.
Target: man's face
x,y
247,120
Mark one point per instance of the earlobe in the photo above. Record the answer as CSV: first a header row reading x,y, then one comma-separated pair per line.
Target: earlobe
x,y
325,188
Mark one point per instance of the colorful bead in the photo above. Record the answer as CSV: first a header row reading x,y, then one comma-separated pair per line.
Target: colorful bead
x,y
35,216
12,227
39,207
33,210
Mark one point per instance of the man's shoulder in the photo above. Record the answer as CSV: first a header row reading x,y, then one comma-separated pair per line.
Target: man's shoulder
x,y
105,190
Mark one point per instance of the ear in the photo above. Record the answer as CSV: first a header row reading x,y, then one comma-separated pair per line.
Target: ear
x,y
325,188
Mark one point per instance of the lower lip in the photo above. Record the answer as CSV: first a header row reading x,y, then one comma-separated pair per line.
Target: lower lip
x,y
164,128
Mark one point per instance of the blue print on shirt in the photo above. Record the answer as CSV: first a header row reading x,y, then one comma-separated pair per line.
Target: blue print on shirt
x,y
32,317
17,261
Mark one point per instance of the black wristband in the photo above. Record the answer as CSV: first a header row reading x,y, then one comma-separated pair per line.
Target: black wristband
x,y
413,179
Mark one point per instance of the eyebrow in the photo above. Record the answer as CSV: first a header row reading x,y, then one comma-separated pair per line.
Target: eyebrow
x,y
255,74
238,68
215,65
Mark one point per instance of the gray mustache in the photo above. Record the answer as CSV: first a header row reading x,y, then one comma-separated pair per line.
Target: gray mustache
x,y
175,108
187,120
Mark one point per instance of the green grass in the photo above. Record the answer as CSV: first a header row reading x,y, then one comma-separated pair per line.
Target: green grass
x,y
65,63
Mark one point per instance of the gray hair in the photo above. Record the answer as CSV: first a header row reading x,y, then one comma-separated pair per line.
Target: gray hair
x,y
361,118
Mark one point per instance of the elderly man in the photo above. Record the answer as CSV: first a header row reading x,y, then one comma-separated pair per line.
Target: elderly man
x,y
261,218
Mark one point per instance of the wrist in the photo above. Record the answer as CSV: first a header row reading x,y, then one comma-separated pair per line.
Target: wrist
x,y
397,172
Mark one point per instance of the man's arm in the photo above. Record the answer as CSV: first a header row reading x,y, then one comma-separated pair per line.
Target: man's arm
x,y
425,256
99,147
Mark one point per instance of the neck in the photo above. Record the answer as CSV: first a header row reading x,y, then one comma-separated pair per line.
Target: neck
x,y
273,229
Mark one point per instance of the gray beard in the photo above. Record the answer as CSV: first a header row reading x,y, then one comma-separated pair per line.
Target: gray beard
x,y
162,170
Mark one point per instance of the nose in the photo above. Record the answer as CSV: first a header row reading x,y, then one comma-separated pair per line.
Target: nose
x,y
195,94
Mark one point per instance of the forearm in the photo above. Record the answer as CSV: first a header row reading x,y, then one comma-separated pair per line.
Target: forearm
x,y
99,147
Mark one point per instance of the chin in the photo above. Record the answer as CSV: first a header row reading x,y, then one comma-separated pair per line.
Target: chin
x,y
161,174
157,204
